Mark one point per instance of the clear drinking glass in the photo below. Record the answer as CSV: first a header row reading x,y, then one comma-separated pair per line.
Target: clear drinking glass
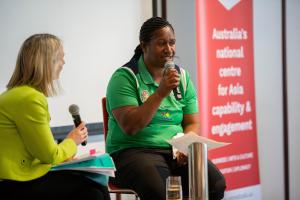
x,y
173,188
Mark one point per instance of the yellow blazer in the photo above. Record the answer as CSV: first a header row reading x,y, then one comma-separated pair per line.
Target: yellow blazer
x,y
27,147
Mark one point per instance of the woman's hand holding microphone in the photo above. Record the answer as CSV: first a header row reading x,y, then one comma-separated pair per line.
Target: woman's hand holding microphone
x,y
79,134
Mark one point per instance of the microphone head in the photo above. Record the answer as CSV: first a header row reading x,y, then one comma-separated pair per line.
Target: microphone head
x,y
74,109
169,64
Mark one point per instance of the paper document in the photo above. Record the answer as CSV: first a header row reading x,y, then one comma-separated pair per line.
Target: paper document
x,y
107,172
98,163
81,158
182,143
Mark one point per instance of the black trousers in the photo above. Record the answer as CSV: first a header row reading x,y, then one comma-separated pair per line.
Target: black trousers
x,y
145,171
55,185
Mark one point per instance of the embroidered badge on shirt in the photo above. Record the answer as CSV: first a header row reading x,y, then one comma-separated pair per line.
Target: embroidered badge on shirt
x,y
166,116
144,95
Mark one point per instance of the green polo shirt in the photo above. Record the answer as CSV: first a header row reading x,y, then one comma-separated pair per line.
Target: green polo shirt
x,y
128,88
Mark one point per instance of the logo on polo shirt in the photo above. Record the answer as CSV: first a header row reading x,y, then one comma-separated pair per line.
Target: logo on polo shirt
x,y
144,95
166,116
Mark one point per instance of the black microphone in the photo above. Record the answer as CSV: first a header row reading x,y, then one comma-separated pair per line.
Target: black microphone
x,y
74,110
176,91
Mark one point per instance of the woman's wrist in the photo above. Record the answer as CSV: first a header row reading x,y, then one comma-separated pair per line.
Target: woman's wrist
x,y
158,95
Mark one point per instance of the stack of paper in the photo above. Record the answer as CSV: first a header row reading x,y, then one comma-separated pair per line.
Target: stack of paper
x,y
182,143
98,163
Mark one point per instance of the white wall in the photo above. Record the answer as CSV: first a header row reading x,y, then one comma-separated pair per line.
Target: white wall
x,y
293,72
98,36
268,86
181,14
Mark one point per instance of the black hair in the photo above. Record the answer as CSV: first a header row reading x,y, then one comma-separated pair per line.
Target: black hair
x,y
147,31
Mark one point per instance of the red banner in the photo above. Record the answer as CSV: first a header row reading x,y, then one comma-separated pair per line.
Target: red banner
x,y
226,88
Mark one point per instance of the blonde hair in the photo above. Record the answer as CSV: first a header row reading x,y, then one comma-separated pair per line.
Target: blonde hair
x,y
35,63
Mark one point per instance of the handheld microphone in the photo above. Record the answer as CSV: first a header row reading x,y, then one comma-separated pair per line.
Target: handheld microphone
x,y
176,91
74,110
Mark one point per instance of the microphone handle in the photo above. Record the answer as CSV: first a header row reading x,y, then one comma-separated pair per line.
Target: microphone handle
x,y
176,91
77,122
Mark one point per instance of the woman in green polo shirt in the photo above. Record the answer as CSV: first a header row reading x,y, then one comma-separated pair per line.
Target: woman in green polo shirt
x,y
27,147
144,113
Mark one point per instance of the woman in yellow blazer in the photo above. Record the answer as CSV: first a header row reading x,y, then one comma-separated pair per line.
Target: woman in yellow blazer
x,y
27,147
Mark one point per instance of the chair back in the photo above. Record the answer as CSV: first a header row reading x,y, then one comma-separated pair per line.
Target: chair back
x,y
105,118
112,188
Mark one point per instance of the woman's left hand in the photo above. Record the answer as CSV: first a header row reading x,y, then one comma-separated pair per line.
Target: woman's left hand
x,y
70,159
181,158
